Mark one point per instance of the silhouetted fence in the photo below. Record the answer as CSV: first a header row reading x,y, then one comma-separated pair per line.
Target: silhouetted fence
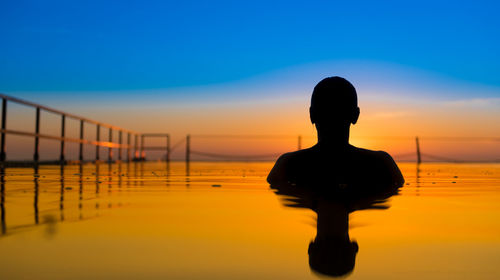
x,y
63,139
415,154
165,148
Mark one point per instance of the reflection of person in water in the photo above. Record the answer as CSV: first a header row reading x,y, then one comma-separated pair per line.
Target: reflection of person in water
x,y
332,252
334,178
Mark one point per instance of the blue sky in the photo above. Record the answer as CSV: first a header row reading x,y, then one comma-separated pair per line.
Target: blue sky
x,y
420,68
58,47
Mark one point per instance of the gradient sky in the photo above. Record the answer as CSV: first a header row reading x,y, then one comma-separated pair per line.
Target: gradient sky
x,y
423,68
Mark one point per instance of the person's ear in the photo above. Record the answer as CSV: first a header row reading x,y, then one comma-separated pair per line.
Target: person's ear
x,y
312,115
310,248
355,246
355,115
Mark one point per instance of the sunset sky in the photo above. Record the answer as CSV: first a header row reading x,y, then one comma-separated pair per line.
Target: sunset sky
x,y
428,69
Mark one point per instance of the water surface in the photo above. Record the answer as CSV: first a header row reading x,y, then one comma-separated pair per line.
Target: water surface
x,y
222,221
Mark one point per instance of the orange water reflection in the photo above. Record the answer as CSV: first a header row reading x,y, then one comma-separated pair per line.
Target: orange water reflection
x,y
223,221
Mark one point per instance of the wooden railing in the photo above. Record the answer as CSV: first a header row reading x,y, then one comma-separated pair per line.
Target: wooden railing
x,y
63,138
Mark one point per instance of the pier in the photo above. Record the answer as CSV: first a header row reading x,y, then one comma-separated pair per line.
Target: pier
x,y
132,142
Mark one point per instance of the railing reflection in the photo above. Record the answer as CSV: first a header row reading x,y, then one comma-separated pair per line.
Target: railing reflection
x,y
36,192
2,200
80,191
51,190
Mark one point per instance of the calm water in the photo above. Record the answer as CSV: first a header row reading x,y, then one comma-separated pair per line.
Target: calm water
x,y
130,221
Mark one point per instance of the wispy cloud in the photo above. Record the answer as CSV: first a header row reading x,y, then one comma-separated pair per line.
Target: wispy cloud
x,y
391,114
474,102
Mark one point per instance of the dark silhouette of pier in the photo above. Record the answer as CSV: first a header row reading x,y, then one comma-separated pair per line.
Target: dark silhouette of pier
x,y
132,137
416,155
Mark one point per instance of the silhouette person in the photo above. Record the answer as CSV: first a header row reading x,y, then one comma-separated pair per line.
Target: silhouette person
x,y
334,178
333,164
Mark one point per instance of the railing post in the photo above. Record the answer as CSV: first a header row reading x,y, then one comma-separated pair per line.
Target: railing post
x,y
4,123
299,143
168,148
63,132
98,139
120,145
36,155
419,158
128,146
110,150
80,153
143,155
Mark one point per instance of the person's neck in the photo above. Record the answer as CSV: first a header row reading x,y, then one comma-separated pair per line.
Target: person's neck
x,y
337,140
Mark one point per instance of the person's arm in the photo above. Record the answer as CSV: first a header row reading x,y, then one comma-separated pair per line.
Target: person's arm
x,y
278,174
397,179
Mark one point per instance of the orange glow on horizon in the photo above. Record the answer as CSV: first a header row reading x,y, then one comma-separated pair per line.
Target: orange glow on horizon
x,y
383,125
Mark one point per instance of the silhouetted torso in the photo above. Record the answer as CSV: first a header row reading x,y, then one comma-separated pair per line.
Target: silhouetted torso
x,y
348,169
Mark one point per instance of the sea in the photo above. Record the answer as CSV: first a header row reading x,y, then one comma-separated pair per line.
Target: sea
x,y
221,220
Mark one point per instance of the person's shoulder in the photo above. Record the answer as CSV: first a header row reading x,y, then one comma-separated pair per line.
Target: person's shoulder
x,y
380,155
286,162
300,154
292,158
385,161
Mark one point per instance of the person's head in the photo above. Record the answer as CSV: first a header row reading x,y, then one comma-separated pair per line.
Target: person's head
x,y
332,257
334,104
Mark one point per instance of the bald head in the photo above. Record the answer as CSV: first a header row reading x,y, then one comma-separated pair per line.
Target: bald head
x,y
334,101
